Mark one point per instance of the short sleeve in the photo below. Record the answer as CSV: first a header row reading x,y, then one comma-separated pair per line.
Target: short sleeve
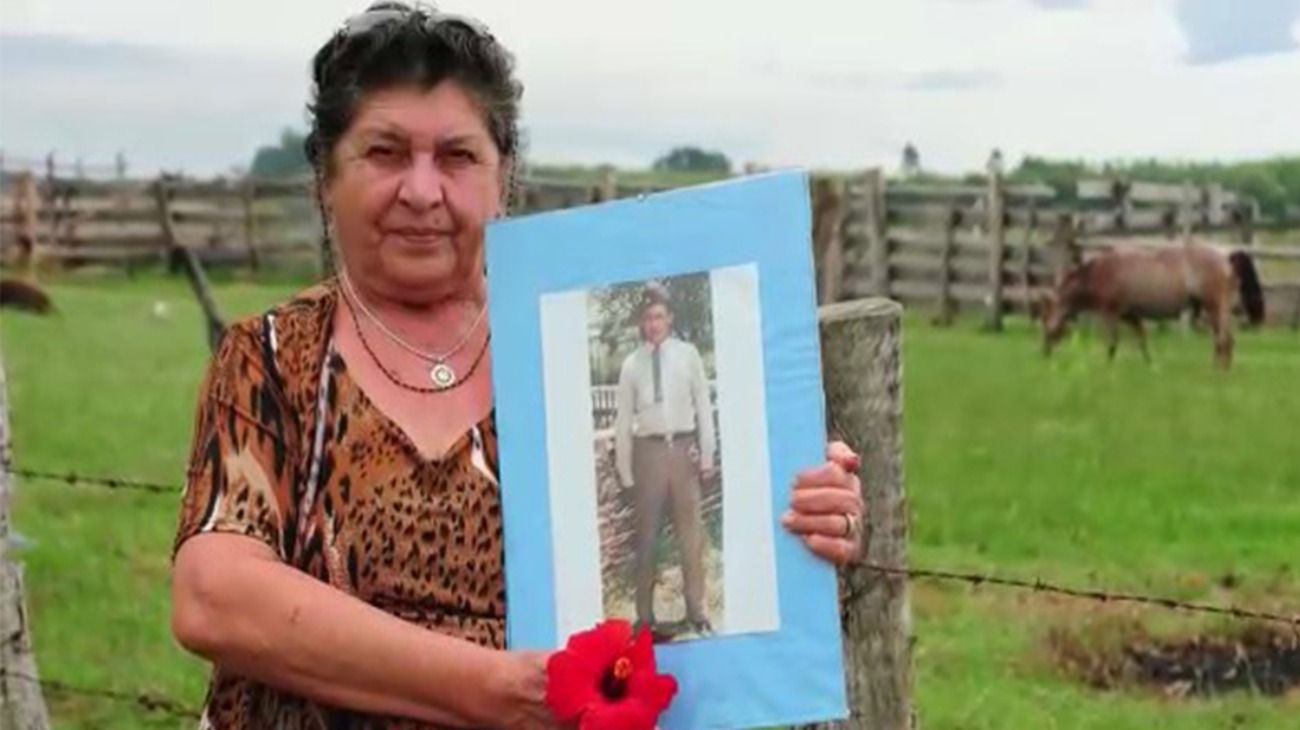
x,y
240,471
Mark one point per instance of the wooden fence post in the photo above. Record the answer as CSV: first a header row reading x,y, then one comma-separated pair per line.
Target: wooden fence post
x,y
1212,197
996,232
50,200
187,259
609,185
828,207
862,365
1122,197
1185,213
873,196
21,705
26,207
248,196
1246,209
1027,260
1064,246
946,306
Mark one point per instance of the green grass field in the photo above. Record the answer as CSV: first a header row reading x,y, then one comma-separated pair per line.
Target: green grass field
x,y
1172,478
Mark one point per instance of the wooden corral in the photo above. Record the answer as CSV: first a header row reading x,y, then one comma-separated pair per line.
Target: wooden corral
x,y
990,246
995,247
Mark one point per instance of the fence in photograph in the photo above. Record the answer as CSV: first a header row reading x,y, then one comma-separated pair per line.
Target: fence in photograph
x,y
996,246
604,403
617,520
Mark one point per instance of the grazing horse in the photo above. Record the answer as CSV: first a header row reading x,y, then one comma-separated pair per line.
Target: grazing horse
x,y
1135,284
25,296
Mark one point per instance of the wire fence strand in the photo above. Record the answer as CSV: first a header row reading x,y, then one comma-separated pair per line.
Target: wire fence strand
x,y
1089,594
148,701
74,478
971,578
174,708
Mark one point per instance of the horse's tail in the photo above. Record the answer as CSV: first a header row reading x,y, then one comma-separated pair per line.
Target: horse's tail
x,y
1252,294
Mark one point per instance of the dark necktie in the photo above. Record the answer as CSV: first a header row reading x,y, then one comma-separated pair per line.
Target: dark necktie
x,y
659,384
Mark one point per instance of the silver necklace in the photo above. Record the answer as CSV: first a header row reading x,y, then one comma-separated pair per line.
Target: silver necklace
x,y
441,372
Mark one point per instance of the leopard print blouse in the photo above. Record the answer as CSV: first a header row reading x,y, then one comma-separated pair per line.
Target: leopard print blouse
x,y
287,449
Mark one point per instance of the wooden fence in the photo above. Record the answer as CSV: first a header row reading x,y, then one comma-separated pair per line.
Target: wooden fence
x,y
948,247
63,217
995,246
130,222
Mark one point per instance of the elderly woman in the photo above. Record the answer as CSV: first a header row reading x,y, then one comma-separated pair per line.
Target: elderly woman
x,y
339,554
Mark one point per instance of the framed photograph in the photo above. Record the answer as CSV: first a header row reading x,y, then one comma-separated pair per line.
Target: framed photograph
x,y
658,385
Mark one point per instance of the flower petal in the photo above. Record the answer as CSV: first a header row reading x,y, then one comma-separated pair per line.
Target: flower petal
x,y
572,684
605,643
621,715
654,690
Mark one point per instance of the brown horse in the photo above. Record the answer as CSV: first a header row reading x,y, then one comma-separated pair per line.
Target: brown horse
x,y
1135,284
25,296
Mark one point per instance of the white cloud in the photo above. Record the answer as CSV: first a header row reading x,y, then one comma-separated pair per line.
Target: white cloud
x,y
1223,30
837,84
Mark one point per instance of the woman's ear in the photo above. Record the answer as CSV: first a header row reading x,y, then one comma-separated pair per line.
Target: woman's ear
x,y
505,186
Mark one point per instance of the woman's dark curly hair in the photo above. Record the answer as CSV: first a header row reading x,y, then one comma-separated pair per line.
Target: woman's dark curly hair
x,y
394,44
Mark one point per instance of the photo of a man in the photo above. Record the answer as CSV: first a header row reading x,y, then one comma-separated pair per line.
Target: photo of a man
x,y
665,446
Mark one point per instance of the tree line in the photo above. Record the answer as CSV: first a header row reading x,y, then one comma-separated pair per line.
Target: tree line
x,y
1274,181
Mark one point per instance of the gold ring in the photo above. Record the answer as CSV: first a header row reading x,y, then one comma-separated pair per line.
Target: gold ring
x,y
850,525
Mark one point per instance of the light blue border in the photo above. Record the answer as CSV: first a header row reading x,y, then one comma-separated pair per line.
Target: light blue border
x,y
790,676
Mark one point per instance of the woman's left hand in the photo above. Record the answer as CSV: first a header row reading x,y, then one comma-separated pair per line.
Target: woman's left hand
x,y
826,507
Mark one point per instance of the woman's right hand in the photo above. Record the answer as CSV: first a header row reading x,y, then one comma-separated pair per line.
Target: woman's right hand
x,y
522,689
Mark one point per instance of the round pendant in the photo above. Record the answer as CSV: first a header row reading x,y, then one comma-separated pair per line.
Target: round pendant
x,y
442,375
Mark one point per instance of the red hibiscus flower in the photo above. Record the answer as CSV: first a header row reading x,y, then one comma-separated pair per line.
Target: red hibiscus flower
x,y
605,679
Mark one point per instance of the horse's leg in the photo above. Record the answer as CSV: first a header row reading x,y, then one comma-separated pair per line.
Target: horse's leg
x,y
1197,309
1110,326
1221,321
1141,332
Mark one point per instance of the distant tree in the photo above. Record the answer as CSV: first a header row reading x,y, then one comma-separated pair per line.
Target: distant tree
x,y
693,159
1274,182
287,159
911,161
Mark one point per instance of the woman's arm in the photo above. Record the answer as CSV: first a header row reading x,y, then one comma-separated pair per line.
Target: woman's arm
x,y
236,604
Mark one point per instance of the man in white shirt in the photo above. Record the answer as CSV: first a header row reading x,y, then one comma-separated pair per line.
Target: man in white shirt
x,y
664,444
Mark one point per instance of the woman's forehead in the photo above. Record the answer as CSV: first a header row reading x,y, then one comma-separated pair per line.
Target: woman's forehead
x,y
439,113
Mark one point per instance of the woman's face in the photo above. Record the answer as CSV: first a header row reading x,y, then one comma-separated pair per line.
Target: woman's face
x,y
413,182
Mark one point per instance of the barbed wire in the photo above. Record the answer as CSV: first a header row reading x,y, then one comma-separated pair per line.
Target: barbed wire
x,y
1090,594
75,479
970,578
156,703
148,701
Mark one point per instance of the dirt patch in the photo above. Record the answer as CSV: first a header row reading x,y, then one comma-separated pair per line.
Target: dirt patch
x,y
1259,660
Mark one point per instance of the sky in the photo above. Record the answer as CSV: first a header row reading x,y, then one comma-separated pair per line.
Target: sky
x,y
197,86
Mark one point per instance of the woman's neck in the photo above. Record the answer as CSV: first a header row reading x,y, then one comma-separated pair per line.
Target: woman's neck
x,y
435,323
